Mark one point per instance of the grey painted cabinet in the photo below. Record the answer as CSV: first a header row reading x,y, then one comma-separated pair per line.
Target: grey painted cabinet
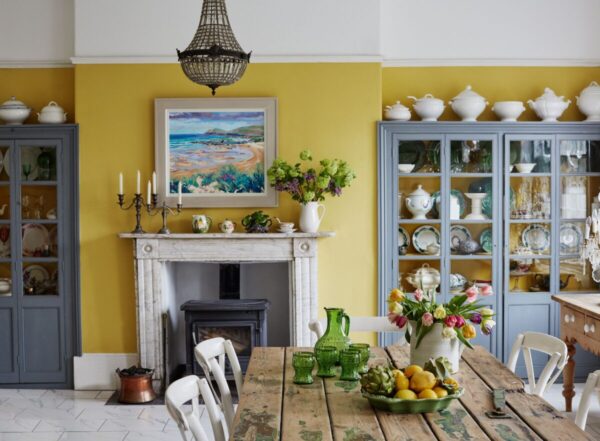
x,y
528,222
39,255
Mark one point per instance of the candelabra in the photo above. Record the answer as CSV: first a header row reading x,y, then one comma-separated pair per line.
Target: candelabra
x,y
591,247
137,203
164,210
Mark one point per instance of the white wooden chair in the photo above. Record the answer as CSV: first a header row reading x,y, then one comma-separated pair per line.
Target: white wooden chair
x,y
360,324
210,355
536,341
592,386
189,389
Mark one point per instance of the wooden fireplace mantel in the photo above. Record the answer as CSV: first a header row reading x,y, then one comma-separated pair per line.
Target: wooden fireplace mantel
x,y
153,252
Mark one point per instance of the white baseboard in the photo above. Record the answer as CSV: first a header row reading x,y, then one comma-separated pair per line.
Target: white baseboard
x,y
97,371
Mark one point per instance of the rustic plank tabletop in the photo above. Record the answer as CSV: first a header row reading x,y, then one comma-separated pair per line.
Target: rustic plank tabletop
x,y
272,407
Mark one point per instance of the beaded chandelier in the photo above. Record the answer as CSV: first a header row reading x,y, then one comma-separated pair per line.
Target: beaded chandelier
x,y
214,57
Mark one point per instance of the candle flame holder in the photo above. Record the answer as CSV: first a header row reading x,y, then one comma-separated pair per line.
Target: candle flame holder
x,y
137,203
164,210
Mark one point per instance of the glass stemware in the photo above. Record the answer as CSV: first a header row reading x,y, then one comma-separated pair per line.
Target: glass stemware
x,y
327,358
303,363
365,353
27,171
350,361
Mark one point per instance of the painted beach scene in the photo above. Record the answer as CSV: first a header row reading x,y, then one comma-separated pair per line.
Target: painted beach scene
x,y
217,152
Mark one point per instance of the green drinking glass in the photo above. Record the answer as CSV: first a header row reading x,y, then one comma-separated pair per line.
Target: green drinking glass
x,y
365,353
350,361
327,358
303,363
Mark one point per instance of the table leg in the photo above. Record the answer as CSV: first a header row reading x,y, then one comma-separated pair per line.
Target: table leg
x,y
569,375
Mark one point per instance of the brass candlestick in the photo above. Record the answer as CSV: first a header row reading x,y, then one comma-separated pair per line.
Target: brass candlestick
x,y
137,202
164,210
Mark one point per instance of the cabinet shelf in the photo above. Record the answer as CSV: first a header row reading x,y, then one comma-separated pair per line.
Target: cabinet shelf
x,y
419,175
530,221
530,175
38,183
419,221
471,175
419,257
591,174
529,256
471,221
471,256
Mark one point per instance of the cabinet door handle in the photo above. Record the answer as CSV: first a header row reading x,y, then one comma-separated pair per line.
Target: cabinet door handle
x,y
592,328
567,318
586,328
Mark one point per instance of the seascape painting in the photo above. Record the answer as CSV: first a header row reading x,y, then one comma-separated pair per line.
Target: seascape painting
x,y
217,152
217,149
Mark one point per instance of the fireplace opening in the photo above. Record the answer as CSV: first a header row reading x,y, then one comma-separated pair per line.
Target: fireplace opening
x,y
224,286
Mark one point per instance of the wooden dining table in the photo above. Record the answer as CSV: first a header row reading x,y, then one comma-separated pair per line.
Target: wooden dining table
x,y
272,407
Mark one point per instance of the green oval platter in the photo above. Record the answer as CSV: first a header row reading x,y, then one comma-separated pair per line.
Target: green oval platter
x,y
423,405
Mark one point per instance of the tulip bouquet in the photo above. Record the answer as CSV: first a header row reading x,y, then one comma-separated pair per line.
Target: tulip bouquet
x,y
458,317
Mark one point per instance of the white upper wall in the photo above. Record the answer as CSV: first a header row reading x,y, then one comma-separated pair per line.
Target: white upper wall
x,y
401,32
426,32
36,32
155,28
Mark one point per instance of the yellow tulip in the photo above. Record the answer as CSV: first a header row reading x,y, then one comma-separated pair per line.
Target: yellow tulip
x,y
468,331
396,295
439,312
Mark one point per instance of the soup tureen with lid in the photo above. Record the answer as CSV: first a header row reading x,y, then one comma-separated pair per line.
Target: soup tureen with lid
x,y
548,106
468,104
14,112
397,112
428,108
588,102
52,114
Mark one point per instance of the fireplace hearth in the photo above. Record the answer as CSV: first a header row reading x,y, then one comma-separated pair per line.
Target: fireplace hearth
x,y
243,321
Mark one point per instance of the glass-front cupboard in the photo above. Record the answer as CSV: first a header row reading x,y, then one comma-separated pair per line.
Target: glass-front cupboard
x,y
495,205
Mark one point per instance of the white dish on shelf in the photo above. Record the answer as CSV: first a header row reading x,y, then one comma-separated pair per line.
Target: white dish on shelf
x,y
525,167
461,232
536,237
571,238
424,237
508,111
35,238
406,168
36,273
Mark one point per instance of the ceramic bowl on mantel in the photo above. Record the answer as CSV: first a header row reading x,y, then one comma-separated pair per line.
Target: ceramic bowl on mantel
x,y
508,111
428,108
468,104
549,107
588,102
397,112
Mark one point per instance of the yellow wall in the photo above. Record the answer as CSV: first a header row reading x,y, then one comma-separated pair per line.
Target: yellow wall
x,y
494,83
37,87
328,108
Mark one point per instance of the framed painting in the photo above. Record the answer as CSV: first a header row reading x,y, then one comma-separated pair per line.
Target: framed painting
x,y
217,149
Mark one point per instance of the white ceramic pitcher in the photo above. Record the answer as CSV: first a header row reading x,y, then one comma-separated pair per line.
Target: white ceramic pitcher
x,y
433,345
310,218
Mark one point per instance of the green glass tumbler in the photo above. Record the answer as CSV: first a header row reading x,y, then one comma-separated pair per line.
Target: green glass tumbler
x,y
304,363
327,358
365,353
350,361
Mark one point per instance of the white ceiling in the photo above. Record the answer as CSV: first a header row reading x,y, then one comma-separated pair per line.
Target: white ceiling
x,y
399,32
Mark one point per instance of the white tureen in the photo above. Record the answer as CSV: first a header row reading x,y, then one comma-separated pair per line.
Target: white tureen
x,y
14,112
549,107
468,104
397,112
588,102
428,108
52,114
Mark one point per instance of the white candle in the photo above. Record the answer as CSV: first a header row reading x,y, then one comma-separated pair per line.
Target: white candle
x,y
121,183
179,201
154,182
138,188
149,195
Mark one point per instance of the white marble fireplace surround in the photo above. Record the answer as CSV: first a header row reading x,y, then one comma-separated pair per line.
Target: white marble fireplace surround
x,y
153,251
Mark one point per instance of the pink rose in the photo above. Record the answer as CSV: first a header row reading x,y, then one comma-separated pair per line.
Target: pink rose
x,y
471,294
418,295
460,321
486,290
450,321
427,319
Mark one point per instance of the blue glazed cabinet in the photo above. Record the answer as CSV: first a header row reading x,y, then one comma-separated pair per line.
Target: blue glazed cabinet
x,y
39,255
528,223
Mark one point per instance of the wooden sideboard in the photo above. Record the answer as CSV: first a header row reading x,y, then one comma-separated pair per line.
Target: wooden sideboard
x,y
579,323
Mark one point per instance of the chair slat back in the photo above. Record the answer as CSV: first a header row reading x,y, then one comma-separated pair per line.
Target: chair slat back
x,y
178,393
591,387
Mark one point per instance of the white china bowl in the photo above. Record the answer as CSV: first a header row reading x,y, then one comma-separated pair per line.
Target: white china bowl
x,y
406,168
524,167
428,108
508,111
14,116
52,118
468,109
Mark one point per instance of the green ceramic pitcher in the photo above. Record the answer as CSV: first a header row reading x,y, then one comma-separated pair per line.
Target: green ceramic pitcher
x,y
338,328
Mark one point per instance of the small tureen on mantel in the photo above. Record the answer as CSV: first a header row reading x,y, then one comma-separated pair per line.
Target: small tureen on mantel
x,y
52,114
468,104
549,107
397,112
588,102
14,112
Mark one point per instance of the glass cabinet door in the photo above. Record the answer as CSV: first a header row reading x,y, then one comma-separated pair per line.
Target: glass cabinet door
x,y
419,211
579,184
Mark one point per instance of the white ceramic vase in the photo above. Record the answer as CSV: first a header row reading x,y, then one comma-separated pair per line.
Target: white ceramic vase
x,y
434,345
310,218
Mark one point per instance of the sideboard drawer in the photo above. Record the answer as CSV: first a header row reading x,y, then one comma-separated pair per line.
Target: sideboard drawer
x,y
572,320
592,328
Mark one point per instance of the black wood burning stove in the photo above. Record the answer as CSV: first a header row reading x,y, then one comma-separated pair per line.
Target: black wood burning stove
x,y
243,321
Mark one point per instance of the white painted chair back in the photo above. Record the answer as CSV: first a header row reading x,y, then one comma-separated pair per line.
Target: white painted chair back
x,y
210,355
592,387
359,324
189,389
536,341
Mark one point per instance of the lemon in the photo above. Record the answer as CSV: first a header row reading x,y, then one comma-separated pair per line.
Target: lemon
x,y
412,369
440,392
427,393
402,382
422,380
406,394
451,382
396,372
